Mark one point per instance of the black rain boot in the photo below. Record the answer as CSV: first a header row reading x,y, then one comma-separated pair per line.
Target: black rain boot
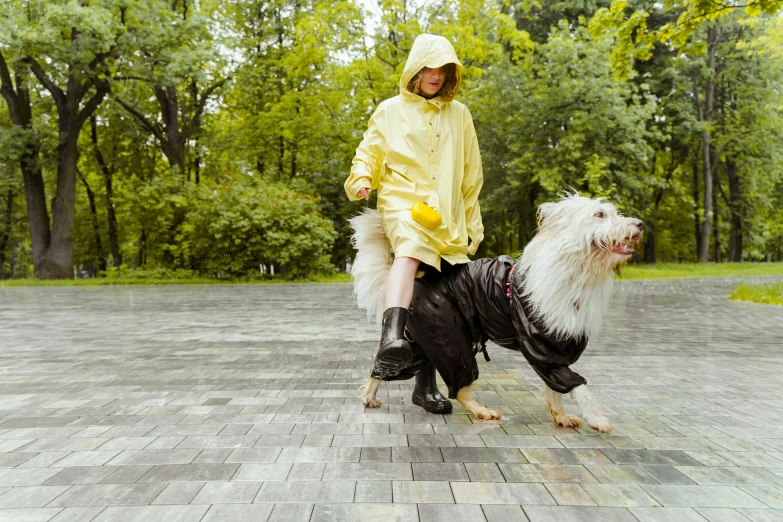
x,y
426,393
396,352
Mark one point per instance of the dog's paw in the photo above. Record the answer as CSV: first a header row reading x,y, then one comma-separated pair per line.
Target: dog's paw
x,y
487,414
601,424
372,403
567,421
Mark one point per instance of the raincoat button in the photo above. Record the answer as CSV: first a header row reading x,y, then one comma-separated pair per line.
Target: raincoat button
x,y
432,150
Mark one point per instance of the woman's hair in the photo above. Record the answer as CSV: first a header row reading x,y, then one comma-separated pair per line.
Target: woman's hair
x,y
450,85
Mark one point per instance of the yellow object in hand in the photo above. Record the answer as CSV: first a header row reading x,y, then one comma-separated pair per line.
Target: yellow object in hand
x,y
425,215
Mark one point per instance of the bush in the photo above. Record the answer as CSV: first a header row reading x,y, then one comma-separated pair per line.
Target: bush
x,y
231,230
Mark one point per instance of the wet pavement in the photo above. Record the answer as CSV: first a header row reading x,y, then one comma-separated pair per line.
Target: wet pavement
x,y
207,403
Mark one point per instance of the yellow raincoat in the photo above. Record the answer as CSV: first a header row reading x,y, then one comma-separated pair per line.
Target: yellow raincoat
x,y
417,149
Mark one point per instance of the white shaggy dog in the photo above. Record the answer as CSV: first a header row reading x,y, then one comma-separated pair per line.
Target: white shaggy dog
x,y
558,291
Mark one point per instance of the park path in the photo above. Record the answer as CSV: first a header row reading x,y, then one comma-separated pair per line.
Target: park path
x,y
233,403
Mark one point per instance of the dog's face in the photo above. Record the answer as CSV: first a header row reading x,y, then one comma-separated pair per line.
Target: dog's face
x,y
593,226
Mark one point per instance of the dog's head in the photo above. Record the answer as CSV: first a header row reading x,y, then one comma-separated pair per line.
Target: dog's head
x,y
568,267
592,226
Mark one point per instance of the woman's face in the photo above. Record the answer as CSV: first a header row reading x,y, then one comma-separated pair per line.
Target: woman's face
x,y
431,80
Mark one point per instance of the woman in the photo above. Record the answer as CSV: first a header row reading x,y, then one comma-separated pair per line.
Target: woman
x,y
420,146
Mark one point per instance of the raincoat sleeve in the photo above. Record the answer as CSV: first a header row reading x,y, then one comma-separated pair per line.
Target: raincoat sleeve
x,y
366,166
471,186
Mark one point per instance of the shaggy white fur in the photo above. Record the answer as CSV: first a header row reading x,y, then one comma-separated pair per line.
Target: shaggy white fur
x,y
566,273
370,269
589,410
567,269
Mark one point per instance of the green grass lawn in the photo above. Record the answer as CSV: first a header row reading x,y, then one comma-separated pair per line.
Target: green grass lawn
x,y
675,270
105,281
767,294
629,272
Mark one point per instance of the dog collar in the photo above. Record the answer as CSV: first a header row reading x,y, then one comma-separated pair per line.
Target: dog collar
x,y
508,283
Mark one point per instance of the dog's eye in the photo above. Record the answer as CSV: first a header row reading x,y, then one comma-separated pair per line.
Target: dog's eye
x,y
600,214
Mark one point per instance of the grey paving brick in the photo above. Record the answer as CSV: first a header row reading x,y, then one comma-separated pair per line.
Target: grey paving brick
x,y
26,477
189,472
620,474
80,475
578,514
439,471
580,456
238,513
619,495
291,513
262,472
385,512
374,491
30,496
319,455
179,493
28,514
722,515
227,493
376,455
483,455
422,492
773,497
650,514
315,492
545,473
369,441
484,472
155,456
500,493
702,496
367,471
452,513
570,494
760,515
242,455
78,514
109,495
147,513
416,454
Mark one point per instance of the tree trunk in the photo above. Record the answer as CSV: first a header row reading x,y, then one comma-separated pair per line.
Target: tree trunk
x,y
9,213
735,207
142,255
696,202
108,176
705,115
716,248
59,259
17,98
95,224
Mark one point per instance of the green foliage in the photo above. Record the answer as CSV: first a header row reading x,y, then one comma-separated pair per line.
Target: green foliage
x,y
230,126
235,228
767,294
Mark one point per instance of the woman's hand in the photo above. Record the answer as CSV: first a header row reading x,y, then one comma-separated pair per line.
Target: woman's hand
x,y
364,193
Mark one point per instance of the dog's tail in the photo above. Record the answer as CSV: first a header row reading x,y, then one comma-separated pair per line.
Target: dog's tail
x,y
373,261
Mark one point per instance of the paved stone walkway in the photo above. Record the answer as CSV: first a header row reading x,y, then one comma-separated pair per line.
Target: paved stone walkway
x,y
233,403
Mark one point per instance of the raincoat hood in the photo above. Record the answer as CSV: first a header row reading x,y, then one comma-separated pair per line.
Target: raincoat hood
x,y
430,51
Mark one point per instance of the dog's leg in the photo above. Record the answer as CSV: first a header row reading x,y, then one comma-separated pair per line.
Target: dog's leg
x,y
367,393
478,410
589,410
554,403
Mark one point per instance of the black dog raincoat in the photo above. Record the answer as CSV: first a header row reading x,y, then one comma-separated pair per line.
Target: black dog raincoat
x,y
454,312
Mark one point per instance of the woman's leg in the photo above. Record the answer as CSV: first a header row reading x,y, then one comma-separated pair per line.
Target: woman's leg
x,y
396,353
399,285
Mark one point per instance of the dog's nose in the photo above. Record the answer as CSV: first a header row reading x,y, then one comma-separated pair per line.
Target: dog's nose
x,y
638,223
